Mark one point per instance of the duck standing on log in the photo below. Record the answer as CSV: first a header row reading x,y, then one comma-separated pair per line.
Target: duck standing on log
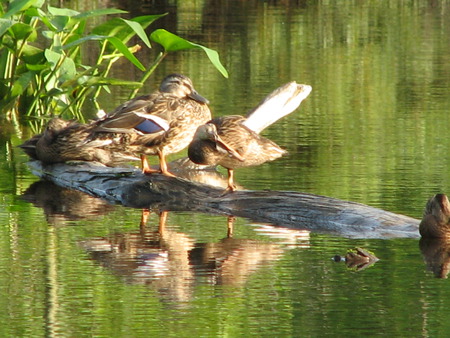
x,y
233,141
160,123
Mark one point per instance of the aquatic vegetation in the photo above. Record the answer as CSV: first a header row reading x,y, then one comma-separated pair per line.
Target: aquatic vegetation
x,y
42,69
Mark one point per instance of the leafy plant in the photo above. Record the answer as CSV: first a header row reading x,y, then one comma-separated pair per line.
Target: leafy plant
x,y
41,67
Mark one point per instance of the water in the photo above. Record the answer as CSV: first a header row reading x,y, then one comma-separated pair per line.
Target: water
x,y
374,130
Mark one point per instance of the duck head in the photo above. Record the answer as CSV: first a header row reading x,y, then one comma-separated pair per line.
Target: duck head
x,y
182,87
208,132
436,218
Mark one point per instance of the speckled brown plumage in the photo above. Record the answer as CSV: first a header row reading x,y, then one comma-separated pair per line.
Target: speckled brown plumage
x,y
225,141
436,218
160,123
231,142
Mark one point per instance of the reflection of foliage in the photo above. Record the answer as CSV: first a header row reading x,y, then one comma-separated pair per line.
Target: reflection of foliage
x,y
53,78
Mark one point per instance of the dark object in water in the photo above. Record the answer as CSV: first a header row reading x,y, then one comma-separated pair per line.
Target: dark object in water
x,y
357,259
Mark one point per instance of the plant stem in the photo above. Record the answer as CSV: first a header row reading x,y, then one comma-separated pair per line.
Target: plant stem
x,y
149,72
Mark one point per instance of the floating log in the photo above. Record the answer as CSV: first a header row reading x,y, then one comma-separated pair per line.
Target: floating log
x,y
131,188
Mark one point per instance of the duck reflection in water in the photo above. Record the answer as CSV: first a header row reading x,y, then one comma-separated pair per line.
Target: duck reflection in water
x,y
435,231
173,263
62,205
357,259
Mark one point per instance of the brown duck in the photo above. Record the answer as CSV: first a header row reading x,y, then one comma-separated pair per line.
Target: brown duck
x,y
436,218
160,123
234,141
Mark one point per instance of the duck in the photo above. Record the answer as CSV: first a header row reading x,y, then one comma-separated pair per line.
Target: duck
x,y
234,141
63,141
357,258
435,222
160,123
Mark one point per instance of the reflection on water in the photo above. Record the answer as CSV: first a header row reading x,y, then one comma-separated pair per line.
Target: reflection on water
x,y
436,253
61,204
185,168
374,131
357,259
172,262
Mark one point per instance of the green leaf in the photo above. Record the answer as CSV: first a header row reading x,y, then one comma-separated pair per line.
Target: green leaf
x,y
55,11
36,68
21,84
173,43
4,62
52,57
121,30
5,24
84,39
137,28
102,81
170,42
32,55
48,34
22,31
19,6
121,47
67,70
98,12
60,22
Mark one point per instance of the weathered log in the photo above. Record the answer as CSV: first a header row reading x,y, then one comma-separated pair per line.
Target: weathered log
x,y
129,187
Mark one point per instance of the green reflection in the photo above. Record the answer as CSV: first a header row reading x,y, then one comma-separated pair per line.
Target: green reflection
x,y
373,130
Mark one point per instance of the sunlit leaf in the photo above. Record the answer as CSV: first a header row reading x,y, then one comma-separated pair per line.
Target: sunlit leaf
x,y
121,30
214,58
60,22
67,70
36,67
102,81
137,28
121,47
173,43
170,42
55,11
97,12
52,57
5,24
19,6
21,31
84,39
48,34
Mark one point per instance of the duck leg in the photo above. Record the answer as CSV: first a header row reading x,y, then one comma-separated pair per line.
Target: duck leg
x,y
146,167
162,222
230,226
231,186
163,164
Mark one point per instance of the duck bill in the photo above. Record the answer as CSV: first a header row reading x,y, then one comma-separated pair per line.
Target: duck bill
x,y
197,97
229,149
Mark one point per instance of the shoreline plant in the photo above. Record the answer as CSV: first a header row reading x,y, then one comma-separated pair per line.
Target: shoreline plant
x,y
42,72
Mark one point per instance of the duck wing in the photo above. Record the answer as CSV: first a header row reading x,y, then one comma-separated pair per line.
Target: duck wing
x,y
147,114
